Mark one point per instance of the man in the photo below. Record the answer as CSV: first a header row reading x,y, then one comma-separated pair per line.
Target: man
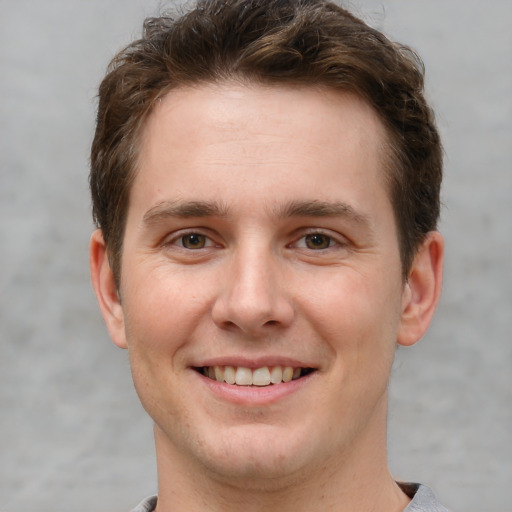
x,y
265,181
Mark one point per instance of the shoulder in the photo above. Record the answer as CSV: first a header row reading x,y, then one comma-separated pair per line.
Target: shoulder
x,y
422,498
147,505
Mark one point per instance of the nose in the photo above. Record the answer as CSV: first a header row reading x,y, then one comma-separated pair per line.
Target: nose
x,y
253,297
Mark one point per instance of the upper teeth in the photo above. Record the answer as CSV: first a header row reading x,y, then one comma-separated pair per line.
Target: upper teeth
x,y
243,376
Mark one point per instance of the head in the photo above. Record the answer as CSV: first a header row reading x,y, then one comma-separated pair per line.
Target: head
x,y
265,176
270,42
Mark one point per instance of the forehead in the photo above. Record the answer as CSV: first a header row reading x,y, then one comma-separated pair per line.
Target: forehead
x,y
249,105
211,135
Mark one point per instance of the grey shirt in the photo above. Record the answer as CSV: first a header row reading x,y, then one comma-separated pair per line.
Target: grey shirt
x,y
423,500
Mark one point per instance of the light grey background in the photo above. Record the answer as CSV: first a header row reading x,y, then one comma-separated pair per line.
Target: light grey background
x,y
73,436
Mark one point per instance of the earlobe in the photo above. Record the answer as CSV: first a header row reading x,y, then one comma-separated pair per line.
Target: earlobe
x,y
105,288
422,290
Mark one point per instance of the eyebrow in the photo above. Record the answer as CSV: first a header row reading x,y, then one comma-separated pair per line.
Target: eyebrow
x,y
169,209
316,208
299,208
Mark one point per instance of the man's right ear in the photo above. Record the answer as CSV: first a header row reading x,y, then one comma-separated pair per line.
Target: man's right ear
x,y
105,288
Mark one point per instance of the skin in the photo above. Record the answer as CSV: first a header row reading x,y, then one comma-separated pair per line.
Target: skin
x,y
257,174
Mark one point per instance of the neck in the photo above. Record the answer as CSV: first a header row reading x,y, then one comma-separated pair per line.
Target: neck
x,y
355,481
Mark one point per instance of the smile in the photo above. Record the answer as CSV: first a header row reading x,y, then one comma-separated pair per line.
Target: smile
x,y
243,376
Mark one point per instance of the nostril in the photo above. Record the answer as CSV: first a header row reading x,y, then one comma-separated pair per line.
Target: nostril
x,y
228,325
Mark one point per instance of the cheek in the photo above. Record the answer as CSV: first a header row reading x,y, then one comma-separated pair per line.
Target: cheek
x,y
357,314
162,307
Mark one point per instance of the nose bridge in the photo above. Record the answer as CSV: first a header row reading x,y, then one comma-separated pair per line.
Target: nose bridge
x,y
252,297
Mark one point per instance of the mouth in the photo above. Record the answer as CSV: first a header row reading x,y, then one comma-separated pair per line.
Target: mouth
x,y
260,377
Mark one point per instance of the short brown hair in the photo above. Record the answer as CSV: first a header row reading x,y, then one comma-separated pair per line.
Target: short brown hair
x,y
311,42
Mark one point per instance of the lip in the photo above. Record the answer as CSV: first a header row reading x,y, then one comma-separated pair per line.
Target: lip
x,y
254,362
254,395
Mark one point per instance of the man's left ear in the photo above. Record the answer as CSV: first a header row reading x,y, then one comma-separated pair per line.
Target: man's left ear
x,y
422,290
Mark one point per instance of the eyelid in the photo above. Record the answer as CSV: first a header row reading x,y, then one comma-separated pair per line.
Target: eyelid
x,y
174,238
337,239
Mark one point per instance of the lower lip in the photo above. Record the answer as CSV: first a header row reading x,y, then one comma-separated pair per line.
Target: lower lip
x,y
255,395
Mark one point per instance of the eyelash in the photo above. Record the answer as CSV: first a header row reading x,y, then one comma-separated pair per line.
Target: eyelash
x,y
332,241
179,240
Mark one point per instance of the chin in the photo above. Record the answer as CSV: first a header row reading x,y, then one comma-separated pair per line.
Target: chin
x,y
258,455
259,473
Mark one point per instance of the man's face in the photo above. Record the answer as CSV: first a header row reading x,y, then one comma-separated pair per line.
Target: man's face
x,y
260,242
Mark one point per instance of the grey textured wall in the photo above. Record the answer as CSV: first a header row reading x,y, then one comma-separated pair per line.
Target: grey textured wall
x,y
72,434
